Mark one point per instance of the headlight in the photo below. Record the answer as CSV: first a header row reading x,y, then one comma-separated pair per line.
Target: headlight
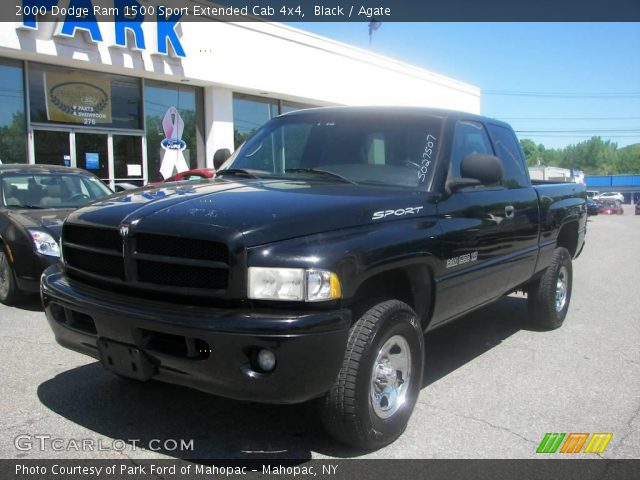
x,y
293,284
44,243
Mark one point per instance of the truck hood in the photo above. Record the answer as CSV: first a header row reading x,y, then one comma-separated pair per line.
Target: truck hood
x,y
263,211
49,220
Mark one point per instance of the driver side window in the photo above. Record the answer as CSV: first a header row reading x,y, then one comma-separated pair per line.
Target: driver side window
x,y
469,138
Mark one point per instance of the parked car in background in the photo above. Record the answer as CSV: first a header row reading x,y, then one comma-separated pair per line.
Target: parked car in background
x,y
610,196
190,175
611,207
34,201
593,207
592,194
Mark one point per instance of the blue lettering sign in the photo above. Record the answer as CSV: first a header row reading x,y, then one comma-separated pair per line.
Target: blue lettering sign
x,y
166,27
167,34
33,6
124,23
88,23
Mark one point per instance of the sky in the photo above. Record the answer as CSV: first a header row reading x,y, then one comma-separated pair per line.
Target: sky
x,y
555,83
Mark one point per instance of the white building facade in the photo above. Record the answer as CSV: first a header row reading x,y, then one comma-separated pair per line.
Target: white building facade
x,y
108,98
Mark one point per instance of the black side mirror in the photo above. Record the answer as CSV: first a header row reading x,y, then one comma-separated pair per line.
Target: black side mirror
x,y
487,169
477,169
221,156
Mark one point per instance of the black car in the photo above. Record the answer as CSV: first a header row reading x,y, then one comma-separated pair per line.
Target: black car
x,y
34,201
593,207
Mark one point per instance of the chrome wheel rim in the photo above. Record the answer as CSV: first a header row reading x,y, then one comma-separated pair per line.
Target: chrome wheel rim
x,y
390,376
4,275
562,285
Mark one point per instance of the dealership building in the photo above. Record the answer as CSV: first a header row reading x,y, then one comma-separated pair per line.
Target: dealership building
x,y
114,100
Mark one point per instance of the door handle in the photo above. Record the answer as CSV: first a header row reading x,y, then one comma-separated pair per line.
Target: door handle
x,y
509,212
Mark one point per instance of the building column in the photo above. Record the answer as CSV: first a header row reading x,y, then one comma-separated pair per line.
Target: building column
x,y
218,115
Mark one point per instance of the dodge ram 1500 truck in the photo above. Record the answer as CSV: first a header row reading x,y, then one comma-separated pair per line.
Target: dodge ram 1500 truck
x,y
314,263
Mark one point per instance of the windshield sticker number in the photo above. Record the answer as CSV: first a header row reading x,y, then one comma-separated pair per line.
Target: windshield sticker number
x,y
427,157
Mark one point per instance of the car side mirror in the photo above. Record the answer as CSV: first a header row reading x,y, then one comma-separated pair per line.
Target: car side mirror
x,y
487,169
476,169
221,156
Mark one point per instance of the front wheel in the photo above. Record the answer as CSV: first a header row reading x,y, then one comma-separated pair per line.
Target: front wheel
x,y
549,297
9,293
378,385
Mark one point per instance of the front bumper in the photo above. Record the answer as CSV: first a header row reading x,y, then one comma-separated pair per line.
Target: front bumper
x,y
29,273
208,349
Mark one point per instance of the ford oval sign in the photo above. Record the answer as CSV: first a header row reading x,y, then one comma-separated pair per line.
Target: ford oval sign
x,y
173,144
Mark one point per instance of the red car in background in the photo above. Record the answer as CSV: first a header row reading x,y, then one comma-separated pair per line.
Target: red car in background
x,y
611,207
195,174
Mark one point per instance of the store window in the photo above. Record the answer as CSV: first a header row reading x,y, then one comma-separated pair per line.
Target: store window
x,y
79,97
12,117
173,128
249,113
291,106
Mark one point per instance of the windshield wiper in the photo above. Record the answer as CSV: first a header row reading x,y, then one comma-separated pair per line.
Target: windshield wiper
x,y
241,172
321,172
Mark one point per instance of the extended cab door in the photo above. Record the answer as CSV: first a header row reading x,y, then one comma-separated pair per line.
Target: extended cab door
x,y
490,232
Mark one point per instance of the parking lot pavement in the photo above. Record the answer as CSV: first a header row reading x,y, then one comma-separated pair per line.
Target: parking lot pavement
x,y
492,388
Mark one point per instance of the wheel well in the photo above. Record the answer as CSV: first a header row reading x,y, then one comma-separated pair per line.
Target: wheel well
x,y
568,237
411,285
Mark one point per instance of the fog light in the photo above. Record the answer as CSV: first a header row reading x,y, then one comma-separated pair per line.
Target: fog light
x,y
266,360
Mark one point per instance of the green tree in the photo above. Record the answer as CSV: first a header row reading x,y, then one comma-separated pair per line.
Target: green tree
x,y
13,148
594,156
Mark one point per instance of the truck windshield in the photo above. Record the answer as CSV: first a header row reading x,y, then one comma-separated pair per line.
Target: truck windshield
x,y
392,150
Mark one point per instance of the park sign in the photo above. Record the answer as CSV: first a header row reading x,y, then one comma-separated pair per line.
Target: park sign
x,y
124,15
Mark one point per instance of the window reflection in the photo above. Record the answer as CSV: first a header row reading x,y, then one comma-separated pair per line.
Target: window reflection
x,y
12,118
162,123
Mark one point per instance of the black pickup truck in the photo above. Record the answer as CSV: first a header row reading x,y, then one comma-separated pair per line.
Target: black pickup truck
x,y
314,263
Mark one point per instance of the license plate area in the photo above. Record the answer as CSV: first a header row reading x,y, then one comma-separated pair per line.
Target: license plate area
x,y
126,360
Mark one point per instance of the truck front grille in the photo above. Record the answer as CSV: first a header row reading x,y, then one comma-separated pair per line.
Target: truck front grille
x,y
95,263
103,238
146,260
182,247
182,275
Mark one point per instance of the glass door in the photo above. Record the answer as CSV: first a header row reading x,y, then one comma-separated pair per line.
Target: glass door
x,y
92,153
112,157
128,164
52,147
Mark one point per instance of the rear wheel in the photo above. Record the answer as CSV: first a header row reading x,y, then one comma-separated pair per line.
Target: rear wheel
x,y
9,293
549,297
377,388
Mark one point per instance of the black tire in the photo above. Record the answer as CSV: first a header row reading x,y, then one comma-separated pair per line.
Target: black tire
x,y
9,292
547,310
348,411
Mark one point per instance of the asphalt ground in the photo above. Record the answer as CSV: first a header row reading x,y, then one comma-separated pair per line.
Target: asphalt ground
x,y
493,386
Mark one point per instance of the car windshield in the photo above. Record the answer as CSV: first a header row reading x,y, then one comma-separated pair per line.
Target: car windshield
x,y
391,150
50,190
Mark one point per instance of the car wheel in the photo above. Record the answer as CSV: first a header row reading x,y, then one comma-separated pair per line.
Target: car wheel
x,y
549,297
376,390
9,293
